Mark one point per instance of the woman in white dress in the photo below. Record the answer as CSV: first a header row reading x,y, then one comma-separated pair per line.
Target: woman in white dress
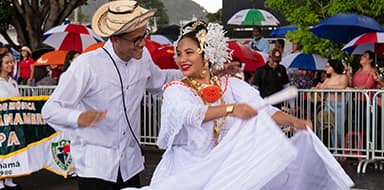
x,y
209,124
8,88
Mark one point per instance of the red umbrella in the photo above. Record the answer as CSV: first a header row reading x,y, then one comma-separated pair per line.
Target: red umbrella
x,y
70,37
162,55
56,57
152,45
252,59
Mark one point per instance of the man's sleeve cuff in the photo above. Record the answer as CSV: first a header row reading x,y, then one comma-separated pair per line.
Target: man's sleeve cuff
x,y
72,118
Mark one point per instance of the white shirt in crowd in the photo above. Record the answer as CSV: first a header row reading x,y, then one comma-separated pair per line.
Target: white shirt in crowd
x,y
8,88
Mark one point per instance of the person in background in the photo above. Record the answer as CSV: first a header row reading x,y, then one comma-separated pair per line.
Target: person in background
x,y
258,42
8,51
296,47
272,77
280,45
336,79
71,55
26,67
320,77
99,98
364,76
8,89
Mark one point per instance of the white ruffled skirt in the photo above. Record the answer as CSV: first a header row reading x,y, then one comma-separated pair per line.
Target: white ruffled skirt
x,y
254,154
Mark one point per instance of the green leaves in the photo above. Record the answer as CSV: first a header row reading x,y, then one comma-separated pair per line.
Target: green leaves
x,y
306,13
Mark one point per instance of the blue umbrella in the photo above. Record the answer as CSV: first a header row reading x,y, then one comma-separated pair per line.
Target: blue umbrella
x,y
344,27
282,31
304,61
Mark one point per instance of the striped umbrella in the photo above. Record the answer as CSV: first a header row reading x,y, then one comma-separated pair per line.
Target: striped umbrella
x,y
373,41
253,17
70,37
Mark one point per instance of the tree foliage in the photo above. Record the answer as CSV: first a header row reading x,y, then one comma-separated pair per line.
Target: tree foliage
x,y
31,18
161,13
306,13
215,17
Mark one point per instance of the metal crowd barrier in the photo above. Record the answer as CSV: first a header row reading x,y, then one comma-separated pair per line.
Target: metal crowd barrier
x,y
348,122
25,90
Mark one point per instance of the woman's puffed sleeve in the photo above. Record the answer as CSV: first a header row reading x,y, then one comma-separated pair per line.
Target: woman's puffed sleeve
x,y
177,112
245,93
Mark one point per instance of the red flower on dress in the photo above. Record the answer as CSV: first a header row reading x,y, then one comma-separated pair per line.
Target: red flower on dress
x,y
211,93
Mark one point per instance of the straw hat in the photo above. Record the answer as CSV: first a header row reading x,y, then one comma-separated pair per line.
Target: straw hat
x,y
118,17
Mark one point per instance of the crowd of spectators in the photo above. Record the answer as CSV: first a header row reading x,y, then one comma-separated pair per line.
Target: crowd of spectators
x,y
25,71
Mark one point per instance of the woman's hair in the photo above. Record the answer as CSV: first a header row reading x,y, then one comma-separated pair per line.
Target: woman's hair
x,y
371,56
337,66
211,41
197,26
69,58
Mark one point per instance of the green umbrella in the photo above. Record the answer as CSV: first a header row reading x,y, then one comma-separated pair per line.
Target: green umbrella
x,y
253,17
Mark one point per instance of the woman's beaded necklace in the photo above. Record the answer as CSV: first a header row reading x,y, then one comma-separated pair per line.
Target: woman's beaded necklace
x,y
210,93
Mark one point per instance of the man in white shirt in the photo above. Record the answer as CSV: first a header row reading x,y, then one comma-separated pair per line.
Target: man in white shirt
x,y
258,42
99,98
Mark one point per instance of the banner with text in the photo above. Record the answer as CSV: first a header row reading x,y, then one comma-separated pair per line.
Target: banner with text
x,y
27,142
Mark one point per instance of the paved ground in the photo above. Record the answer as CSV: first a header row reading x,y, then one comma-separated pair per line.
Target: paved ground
x,y
45,180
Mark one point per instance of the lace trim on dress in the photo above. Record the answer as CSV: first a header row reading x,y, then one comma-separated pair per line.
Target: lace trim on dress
x,y
178,113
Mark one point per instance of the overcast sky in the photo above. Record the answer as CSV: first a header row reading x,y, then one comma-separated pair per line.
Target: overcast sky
x,y
212,6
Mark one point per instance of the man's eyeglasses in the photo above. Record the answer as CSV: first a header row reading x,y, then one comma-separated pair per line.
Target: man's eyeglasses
x,y
136,41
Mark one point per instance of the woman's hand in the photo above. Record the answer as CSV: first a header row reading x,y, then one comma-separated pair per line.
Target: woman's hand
x,y
376,76
243,111
89,118
302,124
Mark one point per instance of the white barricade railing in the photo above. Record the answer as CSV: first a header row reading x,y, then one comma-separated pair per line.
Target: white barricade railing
x,y
347,121
150,117
377,138
35,90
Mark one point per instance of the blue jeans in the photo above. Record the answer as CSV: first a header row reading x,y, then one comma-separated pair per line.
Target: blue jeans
x,y
336,108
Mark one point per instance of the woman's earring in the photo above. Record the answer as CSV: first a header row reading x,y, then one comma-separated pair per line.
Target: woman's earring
x,y
204,72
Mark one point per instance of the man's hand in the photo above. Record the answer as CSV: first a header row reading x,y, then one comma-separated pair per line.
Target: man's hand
x,y
89,118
